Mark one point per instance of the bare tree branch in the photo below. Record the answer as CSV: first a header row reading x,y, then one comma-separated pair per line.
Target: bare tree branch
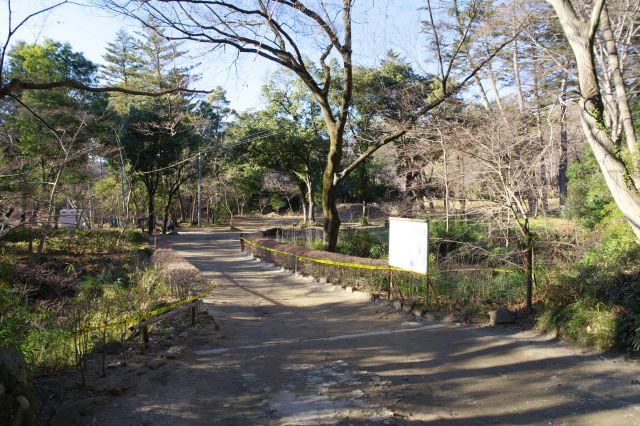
x,y
17,84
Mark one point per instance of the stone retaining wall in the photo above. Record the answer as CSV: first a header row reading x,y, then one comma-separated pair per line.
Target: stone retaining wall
x,y
368,280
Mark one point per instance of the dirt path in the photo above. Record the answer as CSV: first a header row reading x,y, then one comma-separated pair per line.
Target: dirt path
x,y
294,352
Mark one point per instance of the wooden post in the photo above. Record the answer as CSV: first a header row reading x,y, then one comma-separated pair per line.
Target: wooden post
x,y
145,337
529,269
241,241
295,265
390,283
193,316
426,290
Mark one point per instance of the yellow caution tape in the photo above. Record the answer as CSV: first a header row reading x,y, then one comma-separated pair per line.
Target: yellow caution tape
x,y
138,318
327,262
483,269
360,266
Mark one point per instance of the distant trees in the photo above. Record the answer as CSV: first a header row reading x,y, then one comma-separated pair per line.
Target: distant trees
x,y
284,42
159,137
325,117
47,133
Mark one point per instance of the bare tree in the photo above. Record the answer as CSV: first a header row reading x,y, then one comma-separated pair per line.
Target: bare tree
x,y
510,163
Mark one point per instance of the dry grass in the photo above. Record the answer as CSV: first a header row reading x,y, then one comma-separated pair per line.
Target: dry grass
x,y
182,277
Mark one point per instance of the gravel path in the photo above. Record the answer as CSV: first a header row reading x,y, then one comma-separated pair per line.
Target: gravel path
x,y
294,352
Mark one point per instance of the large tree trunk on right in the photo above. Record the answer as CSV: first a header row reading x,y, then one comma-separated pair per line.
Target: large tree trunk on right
x,y
622,98
615,172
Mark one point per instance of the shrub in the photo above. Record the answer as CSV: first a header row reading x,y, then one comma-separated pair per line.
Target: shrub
x,y
14,318
597,302
459,233
316,245
583,322
589,200
361,243
277,202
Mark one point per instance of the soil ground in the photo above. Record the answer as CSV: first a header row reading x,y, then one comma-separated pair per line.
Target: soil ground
x,y
291,351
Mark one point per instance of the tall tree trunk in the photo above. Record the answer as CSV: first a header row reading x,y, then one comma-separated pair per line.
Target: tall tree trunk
x,y
446,180
125,208
494,87
462,191
330,183
180,200
330,210
192,209
544,189
581,36
302,186
542,182
621,94
564,146
478,83
151,211
166,211
516,75
50,212
310,198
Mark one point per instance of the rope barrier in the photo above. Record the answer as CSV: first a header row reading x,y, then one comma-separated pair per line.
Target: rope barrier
x,y
325,261
138,318
361,266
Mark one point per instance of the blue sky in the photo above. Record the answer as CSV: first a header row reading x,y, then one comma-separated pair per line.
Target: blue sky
x,y
379,25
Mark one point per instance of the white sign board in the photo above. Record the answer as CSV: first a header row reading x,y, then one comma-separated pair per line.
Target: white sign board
x,y
408,244
71,218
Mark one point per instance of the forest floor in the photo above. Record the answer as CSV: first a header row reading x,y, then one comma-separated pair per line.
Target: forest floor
x,y
291,351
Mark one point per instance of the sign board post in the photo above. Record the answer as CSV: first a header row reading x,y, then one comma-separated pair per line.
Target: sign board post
x,y
409,246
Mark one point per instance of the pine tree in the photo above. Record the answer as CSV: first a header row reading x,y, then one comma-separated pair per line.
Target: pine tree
x,y
159,131
124,64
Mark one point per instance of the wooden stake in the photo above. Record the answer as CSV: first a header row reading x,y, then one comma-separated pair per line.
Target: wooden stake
x,y
145,337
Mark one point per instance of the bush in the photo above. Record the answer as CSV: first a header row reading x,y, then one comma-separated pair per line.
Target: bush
x,y
277,202
597,303
14,318
589,200
316,245
459,233
582,322
362,243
